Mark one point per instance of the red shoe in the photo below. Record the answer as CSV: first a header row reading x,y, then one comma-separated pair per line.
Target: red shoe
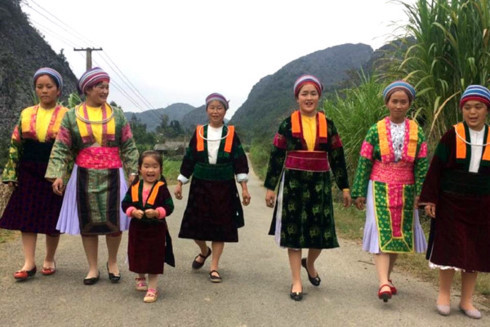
x,y
384,295
392,287
48,271
22,275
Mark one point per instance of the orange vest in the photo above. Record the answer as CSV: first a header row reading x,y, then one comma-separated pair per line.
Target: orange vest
x,y
461,144
296,124
228,141
151,197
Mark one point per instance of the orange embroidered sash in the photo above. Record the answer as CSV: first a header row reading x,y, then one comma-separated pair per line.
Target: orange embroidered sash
x,y
153,195
386,145
228,140
296,124
461,143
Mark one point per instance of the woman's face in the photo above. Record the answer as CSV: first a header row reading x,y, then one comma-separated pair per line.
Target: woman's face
x,y
398,105
97,95
216,113
150,170
47,91
308,98
475,114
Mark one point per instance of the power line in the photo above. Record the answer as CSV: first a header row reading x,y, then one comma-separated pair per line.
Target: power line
x,y
59,24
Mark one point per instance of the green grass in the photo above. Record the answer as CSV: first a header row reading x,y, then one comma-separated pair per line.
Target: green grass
x,y
171,170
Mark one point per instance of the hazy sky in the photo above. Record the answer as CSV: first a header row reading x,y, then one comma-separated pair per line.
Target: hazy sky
x,y
180,51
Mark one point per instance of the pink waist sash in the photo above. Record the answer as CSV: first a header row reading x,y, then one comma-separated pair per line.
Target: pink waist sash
x,y
307,161
99,158
393,173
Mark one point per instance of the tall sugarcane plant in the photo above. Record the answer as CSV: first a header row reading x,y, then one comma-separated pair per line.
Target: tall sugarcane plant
x,y
451,51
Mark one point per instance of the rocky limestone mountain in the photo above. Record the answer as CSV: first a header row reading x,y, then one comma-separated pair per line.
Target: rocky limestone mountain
x,y
22,52
272,98
152,118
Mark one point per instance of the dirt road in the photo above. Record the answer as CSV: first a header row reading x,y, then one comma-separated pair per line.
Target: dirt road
x,y
254,292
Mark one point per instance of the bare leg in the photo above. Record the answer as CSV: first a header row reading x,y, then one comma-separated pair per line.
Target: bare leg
x,y
217,251
468,282
445,281
313,254
295,265
152,281
91,245
382,263
204,250
113,243
393,257
29,247
51,246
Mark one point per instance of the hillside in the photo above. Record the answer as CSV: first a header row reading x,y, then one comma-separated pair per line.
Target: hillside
x,y
22,52
272,99
153,118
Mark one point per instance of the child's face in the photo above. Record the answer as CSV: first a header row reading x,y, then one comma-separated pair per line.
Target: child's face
x,y
150,170
475,114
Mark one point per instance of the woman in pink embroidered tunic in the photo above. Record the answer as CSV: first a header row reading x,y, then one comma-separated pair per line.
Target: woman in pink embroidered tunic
x,y
389,177
33,208
98,140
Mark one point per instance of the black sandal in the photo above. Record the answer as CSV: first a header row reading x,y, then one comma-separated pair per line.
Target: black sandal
x,y
215,279
196,264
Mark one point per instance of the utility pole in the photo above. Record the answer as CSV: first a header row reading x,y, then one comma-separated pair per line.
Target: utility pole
x,y
89,55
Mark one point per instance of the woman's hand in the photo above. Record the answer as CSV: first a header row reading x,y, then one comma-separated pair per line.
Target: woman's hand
x,y
58,187
360,203
138,214
178,190
270,198
430,209
151,213
347,198
245,197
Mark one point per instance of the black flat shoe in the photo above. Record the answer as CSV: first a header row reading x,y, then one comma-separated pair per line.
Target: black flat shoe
x,y
113,278
91,280
296,296
315,281
196,264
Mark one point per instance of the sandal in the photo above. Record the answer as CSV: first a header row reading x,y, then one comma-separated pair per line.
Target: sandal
x,y
141,284
384,295
151,296
213,278
196,264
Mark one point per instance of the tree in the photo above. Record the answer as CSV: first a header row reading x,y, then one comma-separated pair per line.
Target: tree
x,y
452,51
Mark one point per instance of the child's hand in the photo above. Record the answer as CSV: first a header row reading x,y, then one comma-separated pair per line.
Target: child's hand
x,y
138,214
151,213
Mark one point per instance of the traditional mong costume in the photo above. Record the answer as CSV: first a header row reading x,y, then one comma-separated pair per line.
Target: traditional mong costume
x,y
33,207
149,242
458,183
213,211
303,152
390,173
100,142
